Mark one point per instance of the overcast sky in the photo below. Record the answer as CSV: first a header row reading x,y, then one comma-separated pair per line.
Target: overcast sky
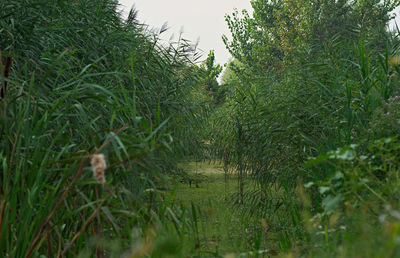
x,y
199,19
397,20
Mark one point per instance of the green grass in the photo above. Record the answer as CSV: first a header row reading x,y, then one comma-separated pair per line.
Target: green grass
x,y
85,80
222,227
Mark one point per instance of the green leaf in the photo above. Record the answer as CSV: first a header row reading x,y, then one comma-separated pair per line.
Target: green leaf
x,y
323,189
331,203
346,155
315,161
309,184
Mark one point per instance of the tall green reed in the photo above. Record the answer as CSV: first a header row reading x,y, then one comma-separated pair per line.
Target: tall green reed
x,y
85,81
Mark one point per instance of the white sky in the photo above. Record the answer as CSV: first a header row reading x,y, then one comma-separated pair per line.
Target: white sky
x,y
397,19
200,19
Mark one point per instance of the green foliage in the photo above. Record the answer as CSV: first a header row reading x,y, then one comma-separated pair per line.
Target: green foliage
x,y
307,77
84,81
386,120
360,175
313,76
209,72
276,31
318,94
361,192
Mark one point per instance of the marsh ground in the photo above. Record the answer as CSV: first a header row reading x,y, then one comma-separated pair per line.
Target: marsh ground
x,y
222,227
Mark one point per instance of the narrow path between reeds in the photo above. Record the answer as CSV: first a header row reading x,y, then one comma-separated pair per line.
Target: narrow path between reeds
x,y
221,229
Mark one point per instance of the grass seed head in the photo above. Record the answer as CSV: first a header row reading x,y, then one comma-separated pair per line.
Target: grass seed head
x,y
98,166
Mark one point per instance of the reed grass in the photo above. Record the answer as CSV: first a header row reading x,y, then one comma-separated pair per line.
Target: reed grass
x,y
307,128
78,76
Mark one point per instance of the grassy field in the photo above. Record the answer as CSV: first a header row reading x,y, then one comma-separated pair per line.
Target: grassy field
x,y
222,228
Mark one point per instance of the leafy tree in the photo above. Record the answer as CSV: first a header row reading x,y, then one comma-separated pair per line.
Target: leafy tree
x,y
210,72
277,30
311,75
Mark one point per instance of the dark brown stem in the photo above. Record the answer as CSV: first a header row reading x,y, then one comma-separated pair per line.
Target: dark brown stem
x,y
3,209
6,73
95,212
78,173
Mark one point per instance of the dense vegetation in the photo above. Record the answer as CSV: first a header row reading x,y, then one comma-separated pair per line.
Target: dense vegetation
x,y
313,90
85,81
306,119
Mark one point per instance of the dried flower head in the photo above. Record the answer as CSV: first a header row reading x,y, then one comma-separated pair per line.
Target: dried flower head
x,y
98,165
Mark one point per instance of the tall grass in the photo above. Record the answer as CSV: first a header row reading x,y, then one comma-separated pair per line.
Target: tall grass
x,y
292,98
79,83
83,81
